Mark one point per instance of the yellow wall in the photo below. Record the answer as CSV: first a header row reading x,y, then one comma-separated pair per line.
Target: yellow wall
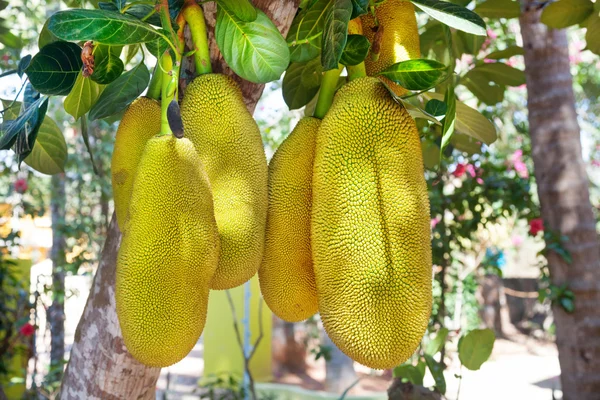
x,y
222,352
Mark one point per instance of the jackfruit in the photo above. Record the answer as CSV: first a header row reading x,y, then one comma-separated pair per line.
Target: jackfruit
x,y
400,39
168,254
228,141
140,122
287,278
370,232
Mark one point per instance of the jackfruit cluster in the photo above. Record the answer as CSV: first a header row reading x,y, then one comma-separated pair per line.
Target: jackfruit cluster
x,y
192,212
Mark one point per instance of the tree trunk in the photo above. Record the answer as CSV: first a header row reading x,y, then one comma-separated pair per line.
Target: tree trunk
x,y
100,366
563,191
56,312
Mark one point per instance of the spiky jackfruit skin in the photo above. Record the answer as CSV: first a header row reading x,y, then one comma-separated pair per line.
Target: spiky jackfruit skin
x,y
400,40
371,227
140,122
168,254
287,278
228,141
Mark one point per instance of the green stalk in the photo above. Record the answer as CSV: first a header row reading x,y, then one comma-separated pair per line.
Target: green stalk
x,y
194,16
167,90
155,86
356,71
327,91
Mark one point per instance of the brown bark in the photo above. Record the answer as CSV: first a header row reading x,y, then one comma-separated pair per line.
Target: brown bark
x,y
99,365
564,197
56,311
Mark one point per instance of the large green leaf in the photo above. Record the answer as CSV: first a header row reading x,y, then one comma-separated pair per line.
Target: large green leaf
x,y
335,33
453,15
356,50
483,88
24,126
305,34
242,9
564,13
49,153
46,37
359,7
122,91
476,347
106,27
437,371
409,372
418,74
296,91
592,36
54,69
255,50
138,11
108,64
436,344
470,121
83,96
500,73
498,9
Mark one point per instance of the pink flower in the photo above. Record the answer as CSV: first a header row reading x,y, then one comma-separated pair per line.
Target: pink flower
x,y
435,221
491,34
517,163
596,163
479,181
536,225
517,240
21,186
459,170
27,329
471,170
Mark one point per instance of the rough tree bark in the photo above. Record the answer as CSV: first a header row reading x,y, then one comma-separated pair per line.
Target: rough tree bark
x,y
56,311
100,366
563,191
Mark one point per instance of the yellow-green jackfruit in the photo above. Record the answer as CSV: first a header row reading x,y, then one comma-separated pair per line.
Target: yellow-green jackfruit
x,y
168,254
287,278
140,122
371,227
228,141
400,39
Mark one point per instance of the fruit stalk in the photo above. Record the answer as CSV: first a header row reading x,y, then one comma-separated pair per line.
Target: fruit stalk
x,y
327,91
194,16
359,70
167,90
155,87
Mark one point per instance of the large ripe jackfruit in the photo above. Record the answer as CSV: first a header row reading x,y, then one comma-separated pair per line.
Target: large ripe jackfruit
x,y
400,39
287,278
140,122
228,141
371,227
168,254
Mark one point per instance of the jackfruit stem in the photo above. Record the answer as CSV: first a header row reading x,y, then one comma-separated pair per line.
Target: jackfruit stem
x,y
194,16
356,71
327,91
167,90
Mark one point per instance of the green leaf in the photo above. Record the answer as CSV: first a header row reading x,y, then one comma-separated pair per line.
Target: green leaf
x,y
476,347
409,372
312,73
436,344
109,67
469,121
86,140
436,108
49,153
106,27
453,15
54,69
137,11
255,50
359,7
46,37
11,109
121,92
500,73
431,154
11,40
419,74
450,118
471,44
83,96
417,112
28,135
498,9
506,53
120,4
242,9
23,64
335,33
437,371
305,34
25,122
565,13
295,92
481,86
357,48
592,36
465,143
157,47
